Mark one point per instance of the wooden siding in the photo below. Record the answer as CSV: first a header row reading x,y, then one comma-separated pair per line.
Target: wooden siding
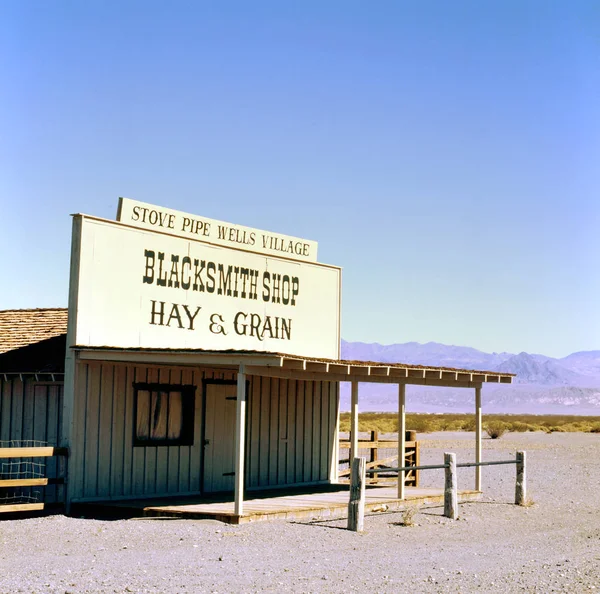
x,y
289,439
31,411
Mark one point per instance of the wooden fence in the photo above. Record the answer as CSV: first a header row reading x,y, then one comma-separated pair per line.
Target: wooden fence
x,y
21,471
376,462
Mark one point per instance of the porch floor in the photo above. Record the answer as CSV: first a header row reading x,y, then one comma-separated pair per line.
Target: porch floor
x,y
312,503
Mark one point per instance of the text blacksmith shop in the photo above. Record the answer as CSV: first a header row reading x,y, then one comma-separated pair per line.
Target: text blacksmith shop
x,y
202,358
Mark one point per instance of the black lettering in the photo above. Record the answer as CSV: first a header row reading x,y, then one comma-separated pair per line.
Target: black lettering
x,y
216,324
295,289
161,279
136,213
186,261
252,294
240,327
286,328
224,281
210,274
174,315
160,313
191,317
174,272
266,289
254,325
268,326
285,289
275,298
198,284
148,277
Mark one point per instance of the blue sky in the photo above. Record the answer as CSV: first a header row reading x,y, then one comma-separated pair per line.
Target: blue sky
x,y
446,154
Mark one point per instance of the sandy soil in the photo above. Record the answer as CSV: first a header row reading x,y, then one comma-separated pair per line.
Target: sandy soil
x,y
552,546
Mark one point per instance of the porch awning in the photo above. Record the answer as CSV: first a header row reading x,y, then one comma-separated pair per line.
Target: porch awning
x,y
283,366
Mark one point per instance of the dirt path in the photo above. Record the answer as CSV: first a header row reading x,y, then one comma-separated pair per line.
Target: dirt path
x,y
495,546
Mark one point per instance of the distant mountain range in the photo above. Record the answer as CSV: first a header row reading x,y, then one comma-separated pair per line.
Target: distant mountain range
x,y
544,385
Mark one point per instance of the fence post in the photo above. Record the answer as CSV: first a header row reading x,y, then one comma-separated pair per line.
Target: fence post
x,y
356,505
374,438
521,486
450,487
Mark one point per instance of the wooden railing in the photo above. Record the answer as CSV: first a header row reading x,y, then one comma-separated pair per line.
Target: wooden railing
x,y
377,463
10,483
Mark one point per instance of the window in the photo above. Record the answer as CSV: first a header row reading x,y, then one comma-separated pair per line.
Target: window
x,y
164,414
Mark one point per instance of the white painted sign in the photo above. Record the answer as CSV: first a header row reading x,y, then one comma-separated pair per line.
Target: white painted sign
x,y
143,289
158,218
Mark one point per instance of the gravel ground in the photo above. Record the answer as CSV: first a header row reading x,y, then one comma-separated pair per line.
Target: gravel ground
x,y
551,546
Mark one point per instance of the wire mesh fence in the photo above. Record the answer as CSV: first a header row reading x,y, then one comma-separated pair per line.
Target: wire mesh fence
x,y
20,469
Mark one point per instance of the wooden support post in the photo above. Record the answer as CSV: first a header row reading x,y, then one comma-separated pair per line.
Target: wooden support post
x,y
450,487
356,505
354,422
240,427
478,438
401,438
521,485
374,455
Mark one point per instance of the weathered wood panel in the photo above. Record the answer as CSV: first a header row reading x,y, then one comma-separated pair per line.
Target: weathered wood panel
x,y
289,435
30,415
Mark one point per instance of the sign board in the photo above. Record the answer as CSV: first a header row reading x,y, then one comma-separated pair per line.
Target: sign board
x,y
134,288
157,218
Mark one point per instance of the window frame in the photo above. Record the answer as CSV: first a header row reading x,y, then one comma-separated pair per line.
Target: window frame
x,y
188,407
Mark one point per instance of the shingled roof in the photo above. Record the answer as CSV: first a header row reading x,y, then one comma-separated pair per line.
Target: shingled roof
x,y
22,327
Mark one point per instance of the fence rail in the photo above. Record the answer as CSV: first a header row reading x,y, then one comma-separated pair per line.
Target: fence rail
x,y
26,502
359,471
377,465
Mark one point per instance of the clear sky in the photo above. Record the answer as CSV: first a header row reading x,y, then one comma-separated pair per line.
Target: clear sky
x,y
446,154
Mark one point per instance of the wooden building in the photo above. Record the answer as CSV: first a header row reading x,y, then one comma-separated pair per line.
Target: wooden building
x,y
171,389
32,361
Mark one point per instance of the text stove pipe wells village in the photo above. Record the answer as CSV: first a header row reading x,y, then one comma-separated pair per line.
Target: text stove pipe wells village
x,y
160,278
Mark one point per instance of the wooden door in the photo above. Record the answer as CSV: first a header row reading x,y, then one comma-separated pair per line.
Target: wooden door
x,y
219,436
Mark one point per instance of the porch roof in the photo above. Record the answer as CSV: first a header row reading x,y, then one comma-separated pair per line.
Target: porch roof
x,y
279,365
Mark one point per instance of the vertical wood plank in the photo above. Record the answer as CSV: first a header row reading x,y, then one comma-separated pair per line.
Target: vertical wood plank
x,y
51,432
290,476
150,451
76,462
128,424
300,422
105,435
16,415
324,437
92,415
254,457
162,454
5,409
173,452
28,411
117,429
334,432
316,431
282,444
265,398
274,431
308,415
138,459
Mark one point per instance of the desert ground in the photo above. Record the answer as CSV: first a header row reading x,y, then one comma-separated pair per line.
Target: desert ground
x,y
551,546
